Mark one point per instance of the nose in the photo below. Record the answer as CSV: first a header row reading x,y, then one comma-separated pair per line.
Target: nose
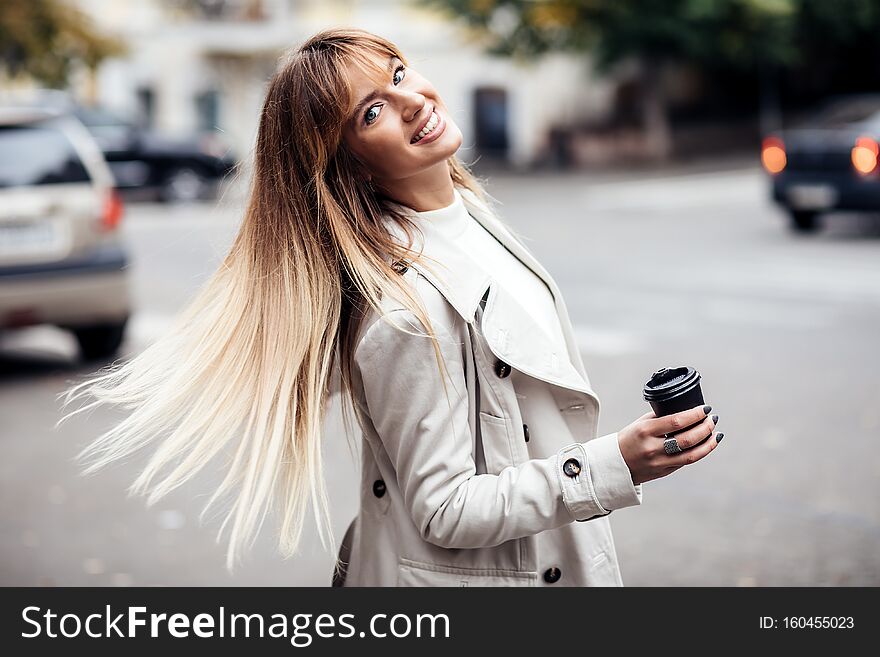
x,y
412,103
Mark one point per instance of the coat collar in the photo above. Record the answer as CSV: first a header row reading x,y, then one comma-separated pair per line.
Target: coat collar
x,y
508,328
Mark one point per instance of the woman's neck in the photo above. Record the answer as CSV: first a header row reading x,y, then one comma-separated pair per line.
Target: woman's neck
x,y
430,189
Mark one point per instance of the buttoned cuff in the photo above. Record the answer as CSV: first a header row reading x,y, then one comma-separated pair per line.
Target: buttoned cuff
x,y
612,480
578,493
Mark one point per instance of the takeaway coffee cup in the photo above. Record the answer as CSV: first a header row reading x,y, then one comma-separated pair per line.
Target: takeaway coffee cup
x,y
672,390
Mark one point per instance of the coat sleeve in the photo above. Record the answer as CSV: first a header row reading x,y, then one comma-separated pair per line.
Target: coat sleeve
x,y
428,440
611,477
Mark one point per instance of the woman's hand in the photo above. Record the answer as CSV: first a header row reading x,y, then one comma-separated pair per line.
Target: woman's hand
x,y
641,443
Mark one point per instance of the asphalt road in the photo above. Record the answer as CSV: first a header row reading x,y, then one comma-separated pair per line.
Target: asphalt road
x,y
691,267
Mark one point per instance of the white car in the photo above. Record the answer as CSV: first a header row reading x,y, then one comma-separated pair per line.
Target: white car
x,y
62,261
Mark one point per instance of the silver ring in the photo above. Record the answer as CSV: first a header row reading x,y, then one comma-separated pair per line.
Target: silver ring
x,y
670,446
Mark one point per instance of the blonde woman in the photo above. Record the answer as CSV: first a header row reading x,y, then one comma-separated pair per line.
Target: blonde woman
x,y
368,254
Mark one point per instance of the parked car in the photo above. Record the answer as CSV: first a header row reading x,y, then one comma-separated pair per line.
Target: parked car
x,y
828,162
174,168
62,260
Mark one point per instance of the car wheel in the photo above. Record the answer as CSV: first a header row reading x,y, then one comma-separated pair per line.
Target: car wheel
x,y
183,185
100,340
804,221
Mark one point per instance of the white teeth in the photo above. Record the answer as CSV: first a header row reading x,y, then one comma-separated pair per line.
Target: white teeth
x,y
432,123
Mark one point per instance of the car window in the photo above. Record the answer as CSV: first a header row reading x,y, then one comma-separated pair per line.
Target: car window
x,y
38,155
94,116
849,111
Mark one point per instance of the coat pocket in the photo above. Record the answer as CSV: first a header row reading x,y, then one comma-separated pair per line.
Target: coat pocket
x,y
416,573
495,441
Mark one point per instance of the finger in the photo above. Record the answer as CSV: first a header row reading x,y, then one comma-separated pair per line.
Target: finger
x,y
694,454
694,435
677,421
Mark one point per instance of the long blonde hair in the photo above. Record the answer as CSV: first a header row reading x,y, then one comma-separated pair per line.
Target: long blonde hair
x,y
262,338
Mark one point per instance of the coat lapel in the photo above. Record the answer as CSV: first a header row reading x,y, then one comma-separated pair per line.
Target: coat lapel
x,y
508,328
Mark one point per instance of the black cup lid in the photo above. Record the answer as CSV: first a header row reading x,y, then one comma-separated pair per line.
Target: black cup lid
x,y
666,382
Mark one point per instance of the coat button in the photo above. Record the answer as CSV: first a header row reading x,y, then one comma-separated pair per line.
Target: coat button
x,y
502,369
378,488
571,467
526,431
552,575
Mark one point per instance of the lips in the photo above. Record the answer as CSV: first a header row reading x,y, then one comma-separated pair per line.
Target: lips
x,y
421,126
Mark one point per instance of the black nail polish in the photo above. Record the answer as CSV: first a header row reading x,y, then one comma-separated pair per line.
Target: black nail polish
x,y
719,437
706,409
715,419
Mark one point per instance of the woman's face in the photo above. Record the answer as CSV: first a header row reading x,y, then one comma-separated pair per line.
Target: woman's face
x,y
400,127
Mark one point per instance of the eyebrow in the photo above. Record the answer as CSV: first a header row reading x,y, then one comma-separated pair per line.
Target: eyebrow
x,y
373,94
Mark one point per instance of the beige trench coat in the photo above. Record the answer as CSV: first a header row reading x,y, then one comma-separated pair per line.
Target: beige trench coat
x,y
502,483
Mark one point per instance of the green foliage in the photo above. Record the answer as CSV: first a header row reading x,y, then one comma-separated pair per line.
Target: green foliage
x,y
45,39
734,34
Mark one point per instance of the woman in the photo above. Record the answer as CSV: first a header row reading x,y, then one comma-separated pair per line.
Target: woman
x,y
368,251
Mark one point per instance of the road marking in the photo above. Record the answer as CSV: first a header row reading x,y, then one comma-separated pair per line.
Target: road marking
x,y
676,193
607,342
144,328
773,282
813,283
670,319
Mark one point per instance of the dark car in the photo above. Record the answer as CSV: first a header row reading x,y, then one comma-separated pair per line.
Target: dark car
x,y
174,168
828,162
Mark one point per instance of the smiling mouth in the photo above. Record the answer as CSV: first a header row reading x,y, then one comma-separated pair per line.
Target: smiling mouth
x,y
429,127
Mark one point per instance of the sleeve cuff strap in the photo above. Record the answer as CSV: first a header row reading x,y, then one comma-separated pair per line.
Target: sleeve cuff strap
x,y
612,480
578,493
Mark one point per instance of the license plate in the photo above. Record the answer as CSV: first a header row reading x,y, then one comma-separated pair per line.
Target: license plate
x,y
27,238
812,197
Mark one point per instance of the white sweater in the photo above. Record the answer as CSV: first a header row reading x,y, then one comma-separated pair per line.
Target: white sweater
x,y
507,270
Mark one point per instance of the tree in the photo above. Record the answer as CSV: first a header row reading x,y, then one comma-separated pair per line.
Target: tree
x,y
46,39
838,47
656,34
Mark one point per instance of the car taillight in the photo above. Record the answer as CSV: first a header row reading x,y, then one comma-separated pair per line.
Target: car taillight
x,y
773,155
864,155
113,211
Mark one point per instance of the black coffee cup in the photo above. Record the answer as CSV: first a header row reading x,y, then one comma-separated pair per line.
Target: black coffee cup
x,y
672,390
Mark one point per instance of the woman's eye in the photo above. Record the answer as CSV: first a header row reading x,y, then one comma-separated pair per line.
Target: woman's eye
x,y
373,113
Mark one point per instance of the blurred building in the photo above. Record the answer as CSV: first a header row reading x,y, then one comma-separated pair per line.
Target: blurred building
x,y
204,65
